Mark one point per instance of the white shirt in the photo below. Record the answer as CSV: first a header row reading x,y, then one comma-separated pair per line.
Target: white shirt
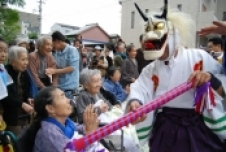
x,y
171,76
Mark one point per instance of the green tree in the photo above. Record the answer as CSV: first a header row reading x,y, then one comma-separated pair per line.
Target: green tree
x,y
19,3
33,35
9,24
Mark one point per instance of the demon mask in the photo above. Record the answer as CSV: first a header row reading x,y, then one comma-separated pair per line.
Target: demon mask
x,y
156,33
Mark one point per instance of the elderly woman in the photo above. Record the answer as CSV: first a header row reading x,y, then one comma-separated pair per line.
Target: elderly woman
x,y
22,42
17,103
51,129
91,81
112,84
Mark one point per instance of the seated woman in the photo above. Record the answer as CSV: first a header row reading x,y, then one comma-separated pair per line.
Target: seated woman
x,y
91,81
51,129
16,105
112,84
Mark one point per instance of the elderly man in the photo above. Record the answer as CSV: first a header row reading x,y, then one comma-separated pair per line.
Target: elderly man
x,y
99,62
41,60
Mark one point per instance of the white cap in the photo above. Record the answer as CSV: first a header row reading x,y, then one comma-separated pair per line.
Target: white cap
x,y
98,47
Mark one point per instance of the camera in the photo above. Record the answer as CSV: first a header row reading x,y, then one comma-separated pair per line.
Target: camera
x,y
95,62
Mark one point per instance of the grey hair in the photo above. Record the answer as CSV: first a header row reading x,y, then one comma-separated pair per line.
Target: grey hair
x,y
21,40
40,41
14,51
86,75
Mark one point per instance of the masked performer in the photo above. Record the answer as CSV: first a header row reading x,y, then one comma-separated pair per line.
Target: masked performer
x,y
176,126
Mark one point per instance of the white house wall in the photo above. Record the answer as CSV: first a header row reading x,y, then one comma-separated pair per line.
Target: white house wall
x,y
192,7
56,27
63,30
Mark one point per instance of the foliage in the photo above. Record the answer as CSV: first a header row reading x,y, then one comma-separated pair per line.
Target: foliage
x,y
9,24
33,35
19,3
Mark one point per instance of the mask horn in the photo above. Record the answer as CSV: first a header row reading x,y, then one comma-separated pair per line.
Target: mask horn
x,y
145,18
165,9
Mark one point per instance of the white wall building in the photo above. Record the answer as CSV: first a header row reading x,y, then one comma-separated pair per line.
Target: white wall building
x,y
202,11
24,28
29,22
63,28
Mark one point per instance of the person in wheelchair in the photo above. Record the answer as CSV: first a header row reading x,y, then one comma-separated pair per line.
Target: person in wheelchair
x,y
51,129
112,84
91,81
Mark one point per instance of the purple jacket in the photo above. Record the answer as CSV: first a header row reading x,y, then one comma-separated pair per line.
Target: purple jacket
x,y
50,138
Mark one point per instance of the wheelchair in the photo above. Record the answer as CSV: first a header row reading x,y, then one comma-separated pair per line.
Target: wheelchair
x,y
114,143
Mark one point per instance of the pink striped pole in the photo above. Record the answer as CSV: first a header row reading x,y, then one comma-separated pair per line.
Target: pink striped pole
x,y
102,132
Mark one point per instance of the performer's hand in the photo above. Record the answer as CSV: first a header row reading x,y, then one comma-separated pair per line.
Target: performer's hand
x,y
199,78
132,108
218,27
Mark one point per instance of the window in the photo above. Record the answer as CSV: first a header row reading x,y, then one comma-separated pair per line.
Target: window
x,y
132,19
224,16
146,11
179,7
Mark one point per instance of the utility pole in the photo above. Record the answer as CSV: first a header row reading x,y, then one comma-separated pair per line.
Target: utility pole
x,y
41,2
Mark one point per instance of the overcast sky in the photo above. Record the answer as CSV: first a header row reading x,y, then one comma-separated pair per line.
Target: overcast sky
x,y
79,13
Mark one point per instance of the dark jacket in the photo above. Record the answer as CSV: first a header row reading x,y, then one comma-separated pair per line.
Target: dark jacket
x,y
141,61
115,89
110,61
12,104
129,70
83,65
85,99
109,96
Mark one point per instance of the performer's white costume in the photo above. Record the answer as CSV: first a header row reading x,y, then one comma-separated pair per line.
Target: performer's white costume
x,y
170,76
175,30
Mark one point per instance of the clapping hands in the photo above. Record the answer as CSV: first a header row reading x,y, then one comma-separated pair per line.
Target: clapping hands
x,y
90,119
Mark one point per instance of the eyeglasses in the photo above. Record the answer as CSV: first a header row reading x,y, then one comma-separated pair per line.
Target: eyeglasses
x,y
3,49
